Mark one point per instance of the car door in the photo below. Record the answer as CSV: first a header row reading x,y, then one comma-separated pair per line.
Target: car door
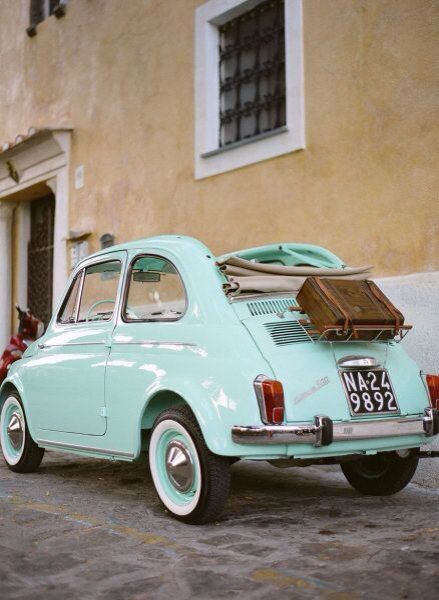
x,y
151,341
67,376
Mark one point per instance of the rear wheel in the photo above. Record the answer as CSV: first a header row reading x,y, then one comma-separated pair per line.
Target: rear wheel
x,y
192,482
380,475
21,453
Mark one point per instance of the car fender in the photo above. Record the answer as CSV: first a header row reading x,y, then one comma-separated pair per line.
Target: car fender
x,y
216,406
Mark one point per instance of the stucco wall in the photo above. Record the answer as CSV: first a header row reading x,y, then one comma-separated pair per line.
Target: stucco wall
x,y
121,73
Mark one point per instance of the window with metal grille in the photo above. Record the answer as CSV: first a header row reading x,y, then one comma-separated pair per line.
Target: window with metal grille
x,y
249,89
252,73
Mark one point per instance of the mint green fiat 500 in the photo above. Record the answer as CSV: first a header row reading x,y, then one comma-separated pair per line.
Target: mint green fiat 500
x,y
160,349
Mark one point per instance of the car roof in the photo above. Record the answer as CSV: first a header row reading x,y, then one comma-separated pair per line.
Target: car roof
x,y
157,242
286,253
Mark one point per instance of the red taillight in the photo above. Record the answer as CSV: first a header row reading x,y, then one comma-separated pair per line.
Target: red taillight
x,y
270,394
433,389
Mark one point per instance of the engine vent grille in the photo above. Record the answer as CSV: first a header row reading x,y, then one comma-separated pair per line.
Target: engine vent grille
x,y
270,307
288,332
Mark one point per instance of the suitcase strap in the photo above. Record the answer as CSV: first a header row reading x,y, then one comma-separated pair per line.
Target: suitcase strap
x,y
382,298
348,324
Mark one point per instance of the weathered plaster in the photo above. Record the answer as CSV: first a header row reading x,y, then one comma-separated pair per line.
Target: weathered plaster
x,y
122,75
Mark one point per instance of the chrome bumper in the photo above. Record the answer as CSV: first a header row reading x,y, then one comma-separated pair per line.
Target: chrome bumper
x,y
324,431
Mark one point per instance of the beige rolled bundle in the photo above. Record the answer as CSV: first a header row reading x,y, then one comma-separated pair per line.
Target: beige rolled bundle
x,y
264,283
273,283
242,267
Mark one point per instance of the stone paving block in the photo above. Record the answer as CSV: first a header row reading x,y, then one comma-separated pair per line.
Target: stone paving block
x,y
84,528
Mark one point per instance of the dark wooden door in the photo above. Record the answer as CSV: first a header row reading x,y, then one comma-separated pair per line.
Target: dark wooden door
x,y
40,258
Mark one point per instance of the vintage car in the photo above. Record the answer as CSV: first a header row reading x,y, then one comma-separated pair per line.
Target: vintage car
x,y
156,351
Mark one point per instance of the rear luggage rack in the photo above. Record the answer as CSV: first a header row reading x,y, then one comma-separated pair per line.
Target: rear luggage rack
x,y
328,333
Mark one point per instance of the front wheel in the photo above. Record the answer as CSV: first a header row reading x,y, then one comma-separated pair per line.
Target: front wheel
x,y
380,475
21,453
192,482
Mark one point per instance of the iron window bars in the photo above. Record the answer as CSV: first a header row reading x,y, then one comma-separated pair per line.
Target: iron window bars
x,y
252,73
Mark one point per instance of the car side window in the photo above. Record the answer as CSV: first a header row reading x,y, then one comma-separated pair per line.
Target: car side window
x,y
155,291
99,292
67,313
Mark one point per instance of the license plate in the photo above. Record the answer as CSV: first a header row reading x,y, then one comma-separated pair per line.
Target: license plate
x,y
369,392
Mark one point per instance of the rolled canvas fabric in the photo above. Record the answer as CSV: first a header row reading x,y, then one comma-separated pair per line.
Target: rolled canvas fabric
x,y
248,265
238,271
272,283
247,276
264,283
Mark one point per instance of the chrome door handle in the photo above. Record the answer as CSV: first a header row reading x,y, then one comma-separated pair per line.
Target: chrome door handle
x,y
41,346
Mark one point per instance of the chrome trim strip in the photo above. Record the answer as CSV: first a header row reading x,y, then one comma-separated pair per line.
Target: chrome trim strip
x,y
376,429
342,431
257,385
78,299
274,434
155,343
136,342
71,344
84,448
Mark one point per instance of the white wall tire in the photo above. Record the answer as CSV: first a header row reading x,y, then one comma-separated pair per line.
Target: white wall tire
x,y
12,416
20,452
191,482
177,502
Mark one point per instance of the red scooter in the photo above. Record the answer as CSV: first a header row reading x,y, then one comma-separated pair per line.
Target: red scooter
x,y
30,329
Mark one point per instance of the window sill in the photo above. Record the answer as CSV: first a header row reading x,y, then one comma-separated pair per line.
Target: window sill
x,y
283,140
244,142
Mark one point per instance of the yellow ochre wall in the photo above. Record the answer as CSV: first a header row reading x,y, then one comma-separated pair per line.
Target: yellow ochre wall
x,y
121,73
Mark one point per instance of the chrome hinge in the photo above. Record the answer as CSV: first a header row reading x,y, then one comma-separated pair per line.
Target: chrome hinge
x,y
104,412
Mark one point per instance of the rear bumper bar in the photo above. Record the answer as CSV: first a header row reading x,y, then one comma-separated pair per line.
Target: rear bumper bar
x,y
324,431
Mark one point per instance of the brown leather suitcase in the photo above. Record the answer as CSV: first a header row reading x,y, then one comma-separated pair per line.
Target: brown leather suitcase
x,y
342,309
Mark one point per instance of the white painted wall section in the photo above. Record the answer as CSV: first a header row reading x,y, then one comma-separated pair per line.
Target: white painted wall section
x,y
417,296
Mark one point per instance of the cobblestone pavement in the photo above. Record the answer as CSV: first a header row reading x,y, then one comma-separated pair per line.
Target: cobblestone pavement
x,y
84,528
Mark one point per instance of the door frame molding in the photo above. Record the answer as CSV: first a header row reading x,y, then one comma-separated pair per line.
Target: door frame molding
x,y
37,160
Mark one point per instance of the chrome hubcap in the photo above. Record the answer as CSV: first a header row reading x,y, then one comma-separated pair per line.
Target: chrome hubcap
x,y
15,430
179,466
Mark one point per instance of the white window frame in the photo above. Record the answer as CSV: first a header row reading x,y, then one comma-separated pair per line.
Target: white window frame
x,y
210,159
